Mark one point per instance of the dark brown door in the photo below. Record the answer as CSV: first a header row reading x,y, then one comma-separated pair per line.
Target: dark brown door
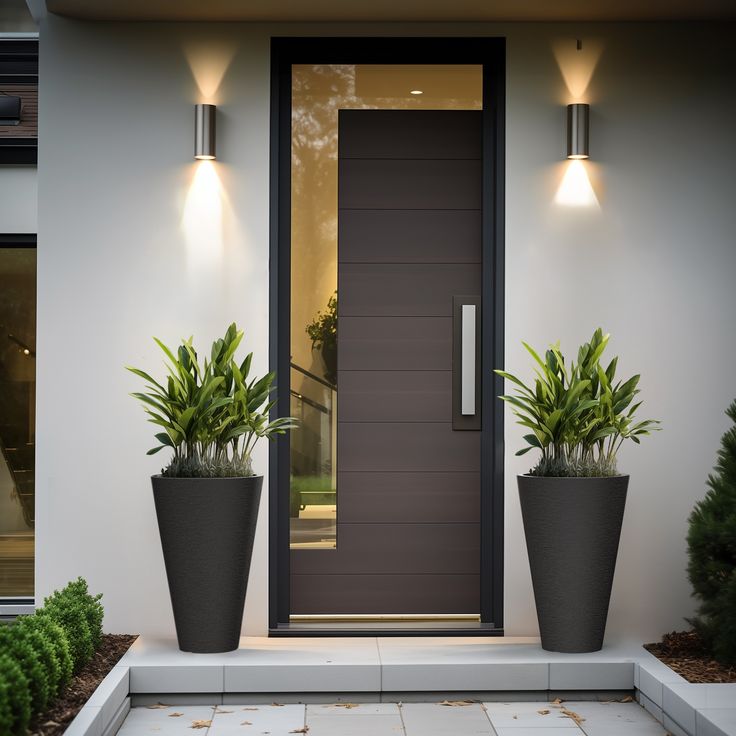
x,y
408,483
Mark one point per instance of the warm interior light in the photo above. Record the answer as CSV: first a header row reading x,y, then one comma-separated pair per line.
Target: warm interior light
x,y
578,157
417,92
205,158
575,189
577,59
209,60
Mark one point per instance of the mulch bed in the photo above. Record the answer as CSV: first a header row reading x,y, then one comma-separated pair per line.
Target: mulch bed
x,y
683,651
58,717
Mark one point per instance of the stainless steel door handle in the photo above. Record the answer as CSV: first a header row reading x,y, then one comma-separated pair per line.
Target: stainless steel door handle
x,y
466,383
467,360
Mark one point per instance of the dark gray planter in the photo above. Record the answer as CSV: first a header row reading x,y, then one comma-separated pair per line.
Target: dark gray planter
x,y
572,528
207,527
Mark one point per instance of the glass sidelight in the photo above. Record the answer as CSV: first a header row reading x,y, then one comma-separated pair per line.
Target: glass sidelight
x,y
319,92
17,420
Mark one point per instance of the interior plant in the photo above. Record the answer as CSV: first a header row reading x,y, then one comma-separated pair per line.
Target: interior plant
x,y
712,553
322,330
207,496
572,500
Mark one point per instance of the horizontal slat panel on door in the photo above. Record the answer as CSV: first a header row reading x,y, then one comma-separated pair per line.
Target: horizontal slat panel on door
x,y
391,184
409,236
424,134
409,497
388,549
395,343
404,290
385,594
407,446
395,396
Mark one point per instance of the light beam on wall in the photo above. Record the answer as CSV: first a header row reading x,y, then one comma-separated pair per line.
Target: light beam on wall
x,y
209,60
202,219
575,189
577,59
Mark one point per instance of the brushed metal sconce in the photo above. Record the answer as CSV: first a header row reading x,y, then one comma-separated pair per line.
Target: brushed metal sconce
x,y
204,132
577,131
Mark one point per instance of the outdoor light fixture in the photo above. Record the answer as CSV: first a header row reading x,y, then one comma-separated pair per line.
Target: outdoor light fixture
x,y
204,132
577,131
417,92
9,109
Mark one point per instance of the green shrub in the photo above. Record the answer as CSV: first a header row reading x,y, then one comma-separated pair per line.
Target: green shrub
x,y
80,616
15,698
18,644
712,553
50,642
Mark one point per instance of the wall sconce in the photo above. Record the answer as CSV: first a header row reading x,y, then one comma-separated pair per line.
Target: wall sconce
x,y
577,131
204,132
9,109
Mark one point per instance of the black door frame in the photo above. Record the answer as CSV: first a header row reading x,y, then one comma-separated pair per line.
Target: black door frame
x,y
491,54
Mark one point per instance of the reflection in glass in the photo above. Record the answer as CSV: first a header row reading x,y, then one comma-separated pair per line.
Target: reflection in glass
x,y
17,419
318,93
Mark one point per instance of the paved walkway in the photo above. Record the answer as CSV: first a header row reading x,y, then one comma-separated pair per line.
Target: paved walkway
x,y
453,718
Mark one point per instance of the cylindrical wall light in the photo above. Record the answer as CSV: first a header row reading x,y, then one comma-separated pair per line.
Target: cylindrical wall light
x,y
577,130
204,131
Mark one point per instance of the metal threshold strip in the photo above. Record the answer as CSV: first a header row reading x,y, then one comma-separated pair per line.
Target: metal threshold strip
x,y
370,618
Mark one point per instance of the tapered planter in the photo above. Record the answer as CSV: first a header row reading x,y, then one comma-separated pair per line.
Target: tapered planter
x,y
207,527
572,528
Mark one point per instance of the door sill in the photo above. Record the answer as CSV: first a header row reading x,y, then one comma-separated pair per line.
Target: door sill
x,y
374,628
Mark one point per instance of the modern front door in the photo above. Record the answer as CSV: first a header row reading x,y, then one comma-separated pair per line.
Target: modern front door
x,y
408,481
386,504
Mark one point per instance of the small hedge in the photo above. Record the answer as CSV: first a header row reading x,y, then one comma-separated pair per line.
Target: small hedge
x,y
41,652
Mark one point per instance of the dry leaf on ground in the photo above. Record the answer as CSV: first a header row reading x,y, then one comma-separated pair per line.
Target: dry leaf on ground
x,y
278,705
223,711
543,712
342,705
556,701
250,708
201,724
246,723
627,699
457,703
300,730
158,706
175,715
572,715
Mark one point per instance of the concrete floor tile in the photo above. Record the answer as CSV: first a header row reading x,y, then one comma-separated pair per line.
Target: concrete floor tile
x,y
251,720
355,725
541,715
434,719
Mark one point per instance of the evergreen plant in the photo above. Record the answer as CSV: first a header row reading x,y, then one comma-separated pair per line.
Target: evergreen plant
x,y
712,553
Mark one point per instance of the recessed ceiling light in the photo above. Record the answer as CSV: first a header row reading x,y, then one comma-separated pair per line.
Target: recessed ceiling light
x,y
417,92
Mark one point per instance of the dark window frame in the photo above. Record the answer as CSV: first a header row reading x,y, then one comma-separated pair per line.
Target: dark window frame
x,y
18,65
491,54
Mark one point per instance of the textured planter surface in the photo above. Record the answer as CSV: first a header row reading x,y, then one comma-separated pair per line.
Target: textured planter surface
x,y
572,528
207,527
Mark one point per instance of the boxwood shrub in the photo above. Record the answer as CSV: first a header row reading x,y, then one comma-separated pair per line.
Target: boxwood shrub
x,y
39,653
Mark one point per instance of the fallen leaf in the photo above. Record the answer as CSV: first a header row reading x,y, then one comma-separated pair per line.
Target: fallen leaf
x,y
175,715
201,724
572,715
543,712
457,703
250,708
51,724
342,705
223,711
300,730
627,699
556,701
246,723
277,705
158,706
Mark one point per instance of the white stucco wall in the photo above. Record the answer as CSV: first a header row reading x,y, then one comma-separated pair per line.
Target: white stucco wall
x,y
18,195
122,256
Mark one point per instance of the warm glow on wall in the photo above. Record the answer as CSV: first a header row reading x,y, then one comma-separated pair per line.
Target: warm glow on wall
x,y
209,60
577,59
575,189
202,219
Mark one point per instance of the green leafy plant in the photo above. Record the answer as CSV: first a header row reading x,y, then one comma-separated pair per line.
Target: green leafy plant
x,y
47,652
322,330
60,665
15,697
578,413
712,553
212,414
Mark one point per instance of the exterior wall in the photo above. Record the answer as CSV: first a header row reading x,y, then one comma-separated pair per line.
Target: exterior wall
x,y
132,244
18,195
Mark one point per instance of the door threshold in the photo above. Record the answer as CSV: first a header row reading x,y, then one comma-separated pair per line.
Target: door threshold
x,y
377,628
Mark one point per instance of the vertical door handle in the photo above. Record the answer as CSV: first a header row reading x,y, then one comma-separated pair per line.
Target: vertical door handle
x,y
467,360
466,381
